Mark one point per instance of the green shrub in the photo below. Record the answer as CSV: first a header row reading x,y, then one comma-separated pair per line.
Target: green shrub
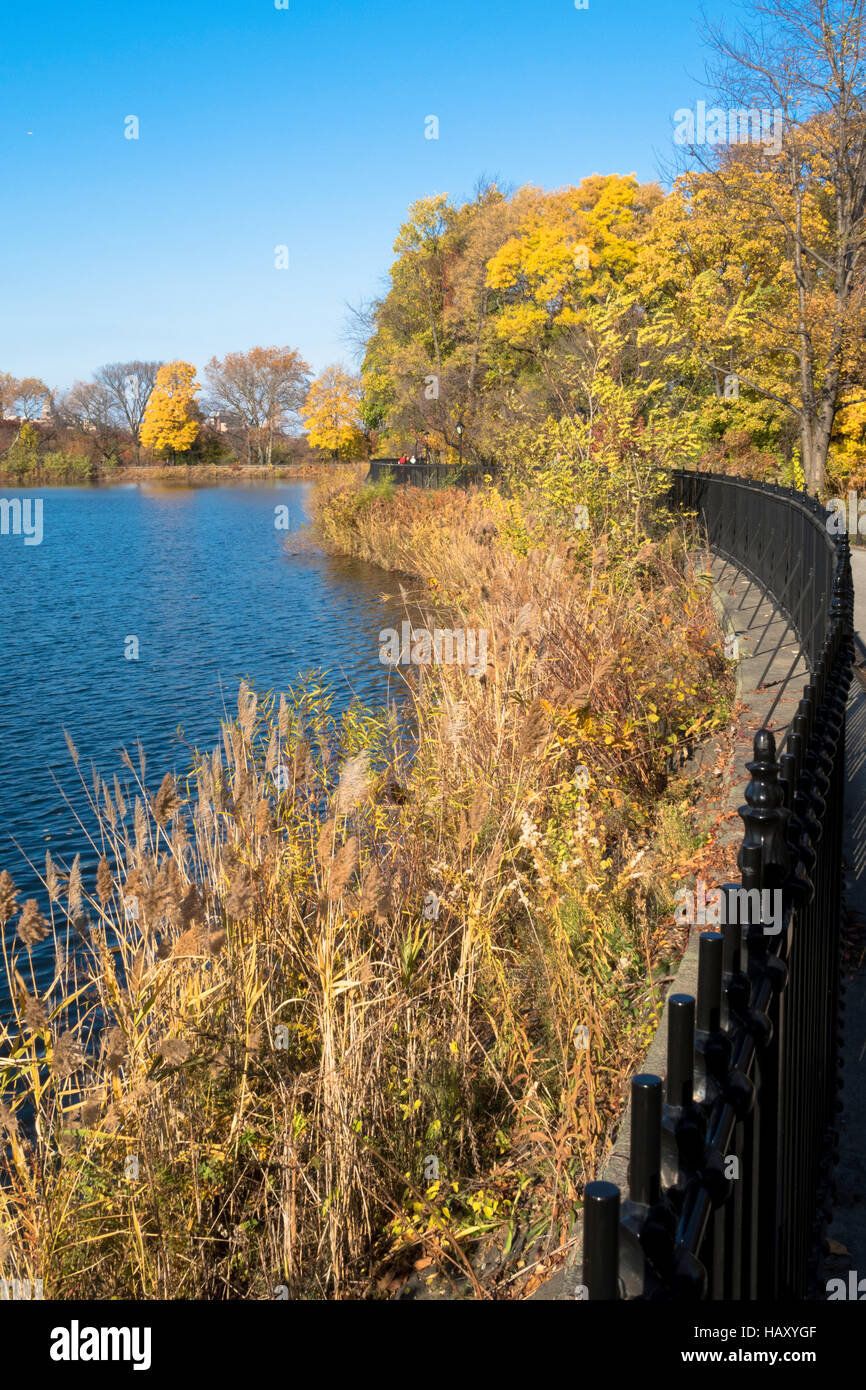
x,y
69,467
21,459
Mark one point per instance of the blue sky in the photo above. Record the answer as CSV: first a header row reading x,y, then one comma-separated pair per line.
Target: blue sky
x,y
301,127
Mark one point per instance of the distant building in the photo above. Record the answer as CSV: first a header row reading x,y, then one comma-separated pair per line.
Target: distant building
x,y
223,421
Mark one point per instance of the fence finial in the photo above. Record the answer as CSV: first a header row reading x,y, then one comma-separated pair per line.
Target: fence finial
x,y
765,815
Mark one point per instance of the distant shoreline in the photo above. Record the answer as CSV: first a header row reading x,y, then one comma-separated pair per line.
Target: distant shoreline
x,y
192,473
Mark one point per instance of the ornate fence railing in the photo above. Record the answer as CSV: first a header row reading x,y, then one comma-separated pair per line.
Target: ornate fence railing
x,y
427,474
731,1153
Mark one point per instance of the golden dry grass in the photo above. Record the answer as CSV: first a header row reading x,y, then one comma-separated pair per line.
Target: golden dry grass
x,y
321,1014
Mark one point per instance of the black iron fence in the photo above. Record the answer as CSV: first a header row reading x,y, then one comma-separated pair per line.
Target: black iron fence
x,y
731,1153
428,474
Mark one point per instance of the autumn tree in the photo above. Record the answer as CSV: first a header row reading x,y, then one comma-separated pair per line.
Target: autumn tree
x,y
569,250
9,386
425,366
26,398
128,386
559,276
31,397
331,413
800,201
265,387
171,420
480,301
89,407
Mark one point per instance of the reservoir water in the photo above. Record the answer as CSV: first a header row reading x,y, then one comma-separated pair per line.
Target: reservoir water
x,y
211,591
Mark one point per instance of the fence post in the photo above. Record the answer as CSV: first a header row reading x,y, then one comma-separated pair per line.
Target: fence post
x,y
646,1139
601,1240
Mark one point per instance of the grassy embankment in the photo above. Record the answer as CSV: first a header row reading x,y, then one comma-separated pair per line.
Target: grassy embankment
x,y
66,469
321,1018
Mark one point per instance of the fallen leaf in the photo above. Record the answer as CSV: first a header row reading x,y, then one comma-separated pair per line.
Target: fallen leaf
x,y
836,1248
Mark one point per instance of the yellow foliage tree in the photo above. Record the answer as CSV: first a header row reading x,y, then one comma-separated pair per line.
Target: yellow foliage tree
x,y
723,293
569,250
331,413
171,420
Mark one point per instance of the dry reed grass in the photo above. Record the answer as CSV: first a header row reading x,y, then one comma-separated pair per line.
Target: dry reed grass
x,y
315,1019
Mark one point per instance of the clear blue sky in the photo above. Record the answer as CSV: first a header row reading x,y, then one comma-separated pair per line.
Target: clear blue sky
x,y
305,127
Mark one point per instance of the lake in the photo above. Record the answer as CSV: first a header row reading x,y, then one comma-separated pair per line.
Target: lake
x,y
211,591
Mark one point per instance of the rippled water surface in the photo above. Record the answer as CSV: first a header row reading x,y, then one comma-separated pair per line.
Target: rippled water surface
x,y
202,577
